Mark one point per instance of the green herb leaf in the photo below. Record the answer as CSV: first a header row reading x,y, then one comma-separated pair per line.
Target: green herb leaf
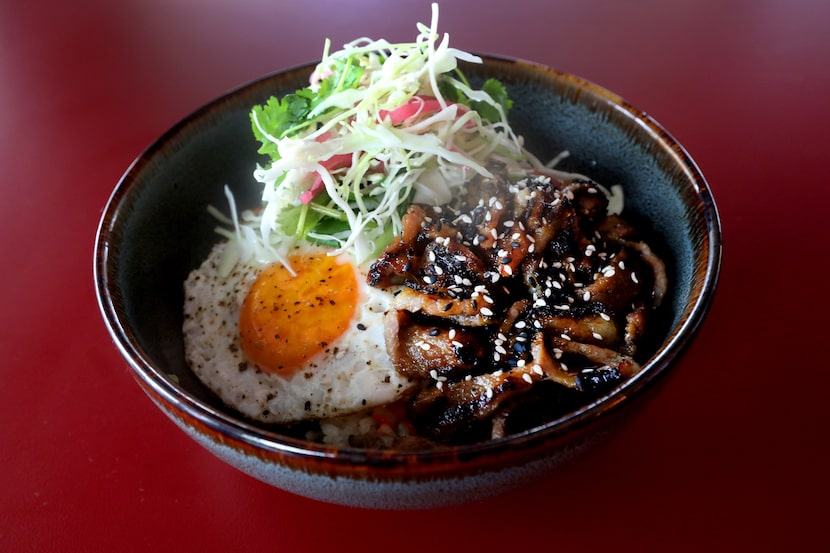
x,y
498,92
493,87
277,116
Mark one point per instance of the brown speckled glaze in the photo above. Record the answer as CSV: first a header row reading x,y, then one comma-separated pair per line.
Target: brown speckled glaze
x,y
155,229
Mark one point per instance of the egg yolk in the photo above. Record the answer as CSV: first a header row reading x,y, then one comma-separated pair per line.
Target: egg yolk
x,y
287,319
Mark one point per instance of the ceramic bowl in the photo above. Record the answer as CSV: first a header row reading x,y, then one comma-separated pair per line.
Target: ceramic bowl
x,y
155,229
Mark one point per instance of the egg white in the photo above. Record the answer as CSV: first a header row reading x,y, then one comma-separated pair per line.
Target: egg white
x,y
354,373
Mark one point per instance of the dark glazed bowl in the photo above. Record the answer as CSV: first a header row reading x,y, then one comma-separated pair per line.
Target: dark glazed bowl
x,y
155,229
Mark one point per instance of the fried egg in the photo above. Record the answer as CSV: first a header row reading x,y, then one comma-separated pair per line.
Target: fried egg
x,y
282,345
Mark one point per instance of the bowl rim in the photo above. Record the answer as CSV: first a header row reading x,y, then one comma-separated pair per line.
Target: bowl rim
x,y
254,438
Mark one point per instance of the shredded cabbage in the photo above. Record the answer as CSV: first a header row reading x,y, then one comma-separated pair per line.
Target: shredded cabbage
x,y
379,126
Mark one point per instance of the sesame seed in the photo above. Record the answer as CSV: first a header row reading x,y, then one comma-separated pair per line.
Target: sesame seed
x,y
604,317
508,224
451,333
508,270
486,312
488,299
501,350
527,378
457,344
597,335
537,369
565,337
438,270
586,295
634,278
621,265
428,279
521,324
433,374
432,256
439,385
488,393
564,366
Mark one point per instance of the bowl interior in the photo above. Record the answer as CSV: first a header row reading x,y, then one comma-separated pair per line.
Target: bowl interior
x,y
156,227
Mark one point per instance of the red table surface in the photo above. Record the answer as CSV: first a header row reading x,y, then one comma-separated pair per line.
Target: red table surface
x,y
731,455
